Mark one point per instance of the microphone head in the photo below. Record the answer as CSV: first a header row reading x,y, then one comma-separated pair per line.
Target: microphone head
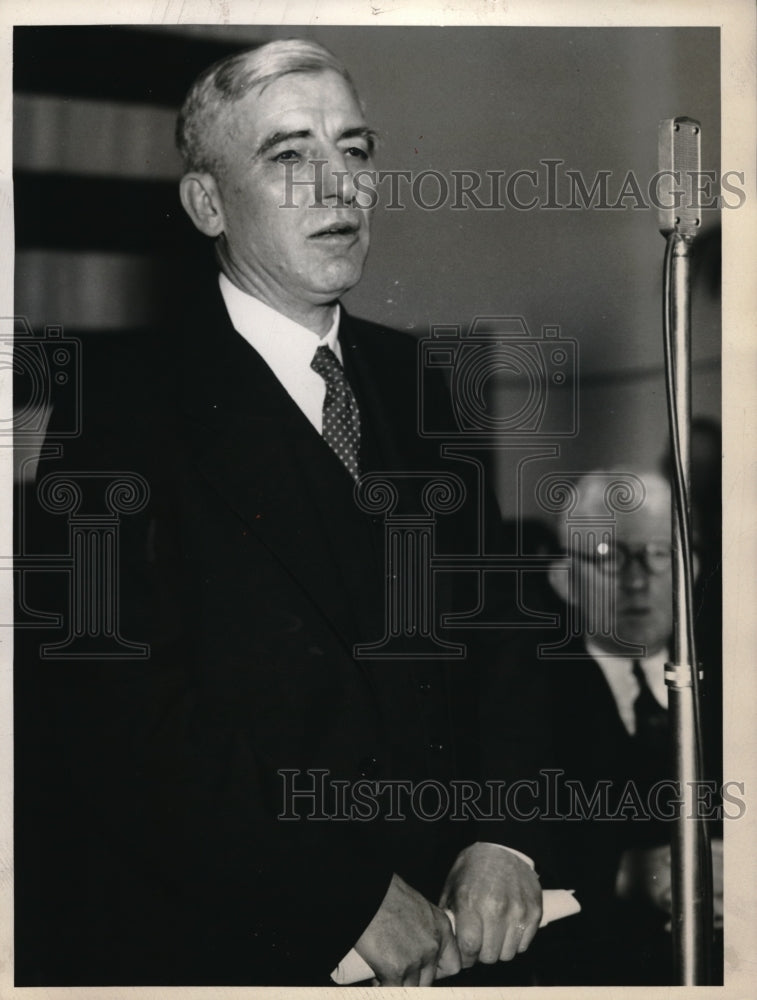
x,y
680,155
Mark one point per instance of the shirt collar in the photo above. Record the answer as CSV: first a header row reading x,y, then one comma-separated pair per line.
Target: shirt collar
x,y
274,336
618,673
288,348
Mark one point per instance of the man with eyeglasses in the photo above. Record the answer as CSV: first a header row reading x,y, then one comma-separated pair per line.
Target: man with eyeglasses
x,y
610,743
636,571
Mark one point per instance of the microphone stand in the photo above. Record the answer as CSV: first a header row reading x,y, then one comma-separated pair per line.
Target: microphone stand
x,y
690,945
690,861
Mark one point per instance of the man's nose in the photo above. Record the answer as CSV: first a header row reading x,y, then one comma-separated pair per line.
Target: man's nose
x,y
338,179
634,575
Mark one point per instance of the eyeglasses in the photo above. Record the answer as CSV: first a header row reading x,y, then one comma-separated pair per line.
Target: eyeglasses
x,y
655,557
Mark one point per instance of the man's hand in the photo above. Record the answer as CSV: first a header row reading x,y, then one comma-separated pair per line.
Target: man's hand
x,y
408,939
496,899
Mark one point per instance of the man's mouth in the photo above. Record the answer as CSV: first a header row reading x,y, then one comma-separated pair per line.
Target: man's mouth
x,y
338,230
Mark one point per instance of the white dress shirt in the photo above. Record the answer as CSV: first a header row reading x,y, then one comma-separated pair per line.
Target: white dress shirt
x,y
618,671
285,346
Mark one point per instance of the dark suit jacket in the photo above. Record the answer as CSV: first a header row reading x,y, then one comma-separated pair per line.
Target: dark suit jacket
x,y
593,755
591,745
252,574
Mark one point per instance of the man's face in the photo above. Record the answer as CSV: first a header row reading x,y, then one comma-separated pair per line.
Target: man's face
x,y
306,254
642,586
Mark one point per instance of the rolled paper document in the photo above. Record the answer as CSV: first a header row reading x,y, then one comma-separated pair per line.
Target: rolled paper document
x,y
556,903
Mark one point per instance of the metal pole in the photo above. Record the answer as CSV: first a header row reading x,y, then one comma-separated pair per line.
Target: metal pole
x,y
690,923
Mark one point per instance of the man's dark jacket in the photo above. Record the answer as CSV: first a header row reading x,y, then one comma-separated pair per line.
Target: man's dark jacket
x,y
149,846
603,802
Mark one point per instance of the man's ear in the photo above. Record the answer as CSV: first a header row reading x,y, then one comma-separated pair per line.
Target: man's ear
x,y
559,579
202,202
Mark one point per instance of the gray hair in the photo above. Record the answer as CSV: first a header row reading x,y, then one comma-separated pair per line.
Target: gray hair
x,y
592,490
227,81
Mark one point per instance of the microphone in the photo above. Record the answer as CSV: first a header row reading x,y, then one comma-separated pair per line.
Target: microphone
x,y
679,142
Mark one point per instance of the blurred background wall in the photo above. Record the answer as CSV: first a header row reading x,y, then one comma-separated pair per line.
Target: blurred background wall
x,y
102,240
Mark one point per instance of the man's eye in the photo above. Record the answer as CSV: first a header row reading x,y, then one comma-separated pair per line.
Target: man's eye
x,y
287,156
358,152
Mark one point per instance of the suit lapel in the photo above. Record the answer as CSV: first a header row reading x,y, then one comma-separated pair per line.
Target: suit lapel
x,y
366,367
578,681
261,454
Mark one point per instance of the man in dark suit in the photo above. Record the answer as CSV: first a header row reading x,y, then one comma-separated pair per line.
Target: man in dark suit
x,y
609,732
193,843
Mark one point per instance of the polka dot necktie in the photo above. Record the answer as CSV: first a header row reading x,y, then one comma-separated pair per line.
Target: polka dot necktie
x,y
341,419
